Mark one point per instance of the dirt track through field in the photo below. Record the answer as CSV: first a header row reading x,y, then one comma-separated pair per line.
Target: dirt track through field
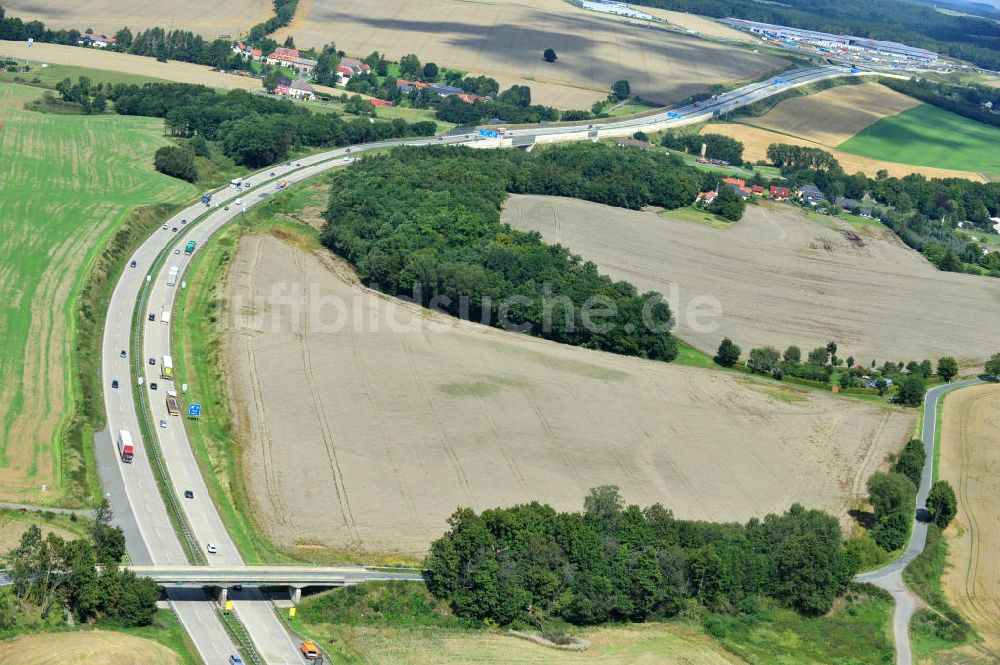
x,y
371,437
781,279
96,647
970,461
209,19
755,141
505,39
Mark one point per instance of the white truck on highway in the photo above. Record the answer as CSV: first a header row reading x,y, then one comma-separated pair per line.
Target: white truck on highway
x,y
167,367
236,182
172,275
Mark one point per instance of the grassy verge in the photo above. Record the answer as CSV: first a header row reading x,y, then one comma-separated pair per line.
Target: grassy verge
x,y
402,623
168,631
939,410
95,295
48,77
941,627
857,631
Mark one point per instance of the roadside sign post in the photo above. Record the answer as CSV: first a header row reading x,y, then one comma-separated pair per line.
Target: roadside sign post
x,y
194,411
489,133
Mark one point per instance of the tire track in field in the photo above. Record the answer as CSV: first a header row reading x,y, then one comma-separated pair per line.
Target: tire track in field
x,y
271,484
438,423
329,442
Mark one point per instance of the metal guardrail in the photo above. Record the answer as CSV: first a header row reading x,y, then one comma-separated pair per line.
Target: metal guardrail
x,y
179,519
238,632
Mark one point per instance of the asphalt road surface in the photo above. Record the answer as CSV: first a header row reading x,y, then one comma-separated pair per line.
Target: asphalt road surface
x,y
132,487
890,577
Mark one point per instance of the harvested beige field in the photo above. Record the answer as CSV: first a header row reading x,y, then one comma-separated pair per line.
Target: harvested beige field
x,y
95,647
11,531
703,25
755,141
211,19
832,116
970,461
184,72
369,435
781,278
505,39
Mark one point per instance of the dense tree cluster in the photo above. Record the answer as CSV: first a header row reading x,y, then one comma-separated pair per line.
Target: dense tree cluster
x,y
893,497
959,36
176,161
252,130
529,563
284,10
993,365
431,217
910,462
923,212
51,575
717,146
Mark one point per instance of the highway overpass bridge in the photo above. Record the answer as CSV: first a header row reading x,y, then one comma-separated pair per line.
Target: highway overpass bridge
x,y
295,578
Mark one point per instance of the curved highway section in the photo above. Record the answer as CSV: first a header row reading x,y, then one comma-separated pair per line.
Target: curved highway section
x,y
132,488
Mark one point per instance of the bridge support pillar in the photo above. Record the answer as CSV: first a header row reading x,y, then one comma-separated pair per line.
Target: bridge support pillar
x,y
296,593
223,596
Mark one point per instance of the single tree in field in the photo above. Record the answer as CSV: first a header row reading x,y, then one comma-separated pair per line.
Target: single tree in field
x,y
793,355
728,353
911,460
430,72
549,55
621,90
764,360
993,365
942,504
947,368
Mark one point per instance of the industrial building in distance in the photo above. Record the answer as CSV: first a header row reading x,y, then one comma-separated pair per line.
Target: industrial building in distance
x,y
826,43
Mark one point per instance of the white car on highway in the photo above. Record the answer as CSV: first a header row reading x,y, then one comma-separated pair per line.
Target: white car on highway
x,y
212,549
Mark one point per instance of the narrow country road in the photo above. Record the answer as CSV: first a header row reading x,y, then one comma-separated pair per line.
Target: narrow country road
x,y
890,577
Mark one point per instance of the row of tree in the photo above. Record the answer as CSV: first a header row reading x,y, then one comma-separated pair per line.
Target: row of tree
x,y
612,562
251,129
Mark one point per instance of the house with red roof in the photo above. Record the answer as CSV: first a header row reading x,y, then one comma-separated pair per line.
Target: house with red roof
x,y
348,67
705,198
780,193
283,56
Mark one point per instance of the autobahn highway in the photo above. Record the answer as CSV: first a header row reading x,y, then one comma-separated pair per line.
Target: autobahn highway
x,y
132,488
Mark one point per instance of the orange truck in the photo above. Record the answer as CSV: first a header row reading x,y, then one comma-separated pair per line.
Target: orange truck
x,y
309,650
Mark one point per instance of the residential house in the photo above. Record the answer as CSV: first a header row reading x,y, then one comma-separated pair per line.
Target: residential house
x,y
256,54
97,41
779,193
633,143
847,204
866,212
283,56
704,198
444,90
380,102
301,90
469,98
283,86
757,190
409,86
739,186
348,67
304,65
810,194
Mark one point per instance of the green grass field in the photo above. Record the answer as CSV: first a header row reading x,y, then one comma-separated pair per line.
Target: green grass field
x,y
928,136
47,77
69,182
